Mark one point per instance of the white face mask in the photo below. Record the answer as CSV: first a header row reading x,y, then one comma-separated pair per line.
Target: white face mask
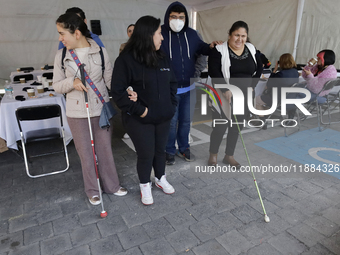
x,y
176,25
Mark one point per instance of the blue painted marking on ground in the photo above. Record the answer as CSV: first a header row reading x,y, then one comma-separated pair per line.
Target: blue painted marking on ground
x,y
296,147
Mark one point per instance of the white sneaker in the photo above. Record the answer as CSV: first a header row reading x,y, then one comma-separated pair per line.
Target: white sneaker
x,y
126,136
164,185
121,192
145,192
95,200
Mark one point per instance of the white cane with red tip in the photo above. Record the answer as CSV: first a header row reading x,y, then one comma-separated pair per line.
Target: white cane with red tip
x,y
103,214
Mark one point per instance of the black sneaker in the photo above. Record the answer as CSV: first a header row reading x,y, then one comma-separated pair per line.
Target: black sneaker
x,y
187,155
169,159
289,123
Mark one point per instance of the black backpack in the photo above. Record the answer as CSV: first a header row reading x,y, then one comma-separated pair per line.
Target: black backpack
x,y
101,56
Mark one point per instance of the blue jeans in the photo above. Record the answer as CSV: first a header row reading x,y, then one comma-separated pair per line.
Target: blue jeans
x,y
321,99
180,122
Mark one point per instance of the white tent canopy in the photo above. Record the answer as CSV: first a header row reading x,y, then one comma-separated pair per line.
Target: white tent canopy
x,y
299,27
302,27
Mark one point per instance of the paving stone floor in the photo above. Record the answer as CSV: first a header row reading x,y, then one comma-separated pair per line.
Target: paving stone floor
x,y
216,214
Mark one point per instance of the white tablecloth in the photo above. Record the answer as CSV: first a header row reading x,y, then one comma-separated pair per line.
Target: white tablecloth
x,y
34,72
9,129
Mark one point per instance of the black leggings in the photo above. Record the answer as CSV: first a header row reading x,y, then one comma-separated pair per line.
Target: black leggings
x,y
220,129
149,141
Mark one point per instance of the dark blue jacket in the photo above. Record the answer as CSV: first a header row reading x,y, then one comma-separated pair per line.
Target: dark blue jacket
x,y
185,46
282,79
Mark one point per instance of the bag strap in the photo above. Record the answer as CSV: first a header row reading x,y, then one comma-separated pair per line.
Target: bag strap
x,y
101,56
87,77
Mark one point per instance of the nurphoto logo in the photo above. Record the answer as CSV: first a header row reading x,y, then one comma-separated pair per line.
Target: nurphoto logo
x,y
238,103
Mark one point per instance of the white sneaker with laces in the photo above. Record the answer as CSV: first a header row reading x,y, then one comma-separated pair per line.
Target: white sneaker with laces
x,y
145,192
164,185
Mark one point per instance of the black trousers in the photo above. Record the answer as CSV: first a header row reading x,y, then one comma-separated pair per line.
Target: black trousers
x,y
149,141
233,133
220,129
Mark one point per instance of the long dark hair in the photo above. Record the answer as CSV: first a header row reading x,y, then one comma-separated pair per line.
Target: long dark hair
x,y
78,11
72,22
141,41
237,25
328,57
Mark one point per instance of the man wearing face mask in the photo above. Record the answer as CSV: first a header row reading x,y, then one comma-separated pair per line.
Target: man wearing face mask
x,y
182,44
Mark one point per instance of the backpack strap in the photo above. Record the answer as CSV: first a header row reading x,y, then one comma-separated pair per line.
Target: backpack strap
x,y
103,62
62,59
101,56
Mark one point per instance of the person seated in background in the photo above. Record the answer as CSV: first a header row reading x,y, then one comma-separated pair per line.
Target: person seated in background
x,y
265,61
129,32
201,61
288,76
316,76
81,14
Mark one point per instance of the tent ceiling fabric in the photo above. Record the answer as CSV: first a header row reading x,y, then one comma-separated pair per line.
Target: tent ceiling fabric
x,y
319,29
29,36
271,30
272,25
200,5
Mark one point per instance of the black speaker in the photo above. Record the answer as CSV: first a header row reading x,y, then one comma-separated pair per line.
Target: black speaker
x,y
95,27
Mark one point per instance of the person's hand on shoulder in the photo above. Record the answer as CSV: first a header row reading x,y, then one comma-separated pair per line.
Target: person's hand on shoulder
x,y
212,45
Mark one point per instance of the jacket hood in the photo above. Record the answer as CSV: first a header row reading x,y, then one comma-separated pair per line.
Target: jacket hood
x,y
94,48
167,14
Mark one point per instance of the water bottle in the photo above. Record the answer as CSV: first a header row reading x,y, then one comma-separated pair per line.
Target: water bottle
x,y
8,90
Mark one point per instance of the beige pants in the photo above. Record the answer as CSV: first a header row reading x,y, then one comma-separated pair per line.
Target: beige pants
x,y
102,144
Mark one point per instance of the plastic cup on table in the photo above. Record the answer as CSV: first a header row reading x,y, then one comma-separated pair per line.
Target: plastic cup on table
x,y
30,92
40,89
